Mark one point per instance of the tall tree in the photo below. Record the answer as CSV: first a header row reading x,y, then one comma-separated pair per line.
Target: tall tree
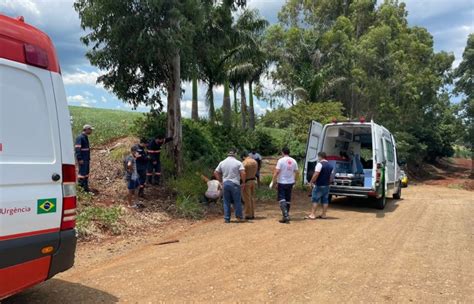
x,y
464,75
226,106
144,47
249,60
213,45
194,105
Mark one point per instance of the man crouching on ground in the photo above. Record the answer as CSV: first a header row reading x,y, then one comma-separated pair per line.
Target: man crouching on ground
x,y
286,174
231,173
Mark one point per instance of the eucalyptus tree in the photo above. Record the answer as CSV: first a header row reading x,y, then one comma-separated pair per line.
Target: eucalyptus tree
x,y
145,49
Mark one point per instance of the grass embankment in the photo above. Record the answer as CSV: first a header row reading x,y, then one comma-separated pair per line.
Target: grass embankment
x,y
109,125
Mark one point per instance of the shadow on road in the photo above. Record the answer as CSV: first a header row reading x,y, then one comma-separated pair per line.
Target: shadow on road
x,y
364,205
59,291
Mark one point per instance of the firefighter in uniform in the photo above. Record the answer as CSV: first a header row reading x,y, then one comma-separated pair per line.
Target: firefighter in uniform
x,y
142,165
83,156
153,173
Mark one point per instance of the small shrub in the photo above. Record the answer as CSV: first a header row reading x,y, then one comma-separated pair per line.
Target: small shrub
x,y
265,194
93,218
189,206
266,180
119,153
83,197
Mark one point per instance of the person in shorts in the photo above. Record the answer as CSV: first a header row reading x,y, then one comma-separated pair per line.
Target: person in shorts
x,y
132,178
320,182
285,176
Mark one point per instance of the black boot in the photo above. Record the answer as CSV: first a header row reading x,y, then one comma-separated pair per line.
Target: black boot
x,y
86,185
284,211
149,179
141,192
157,180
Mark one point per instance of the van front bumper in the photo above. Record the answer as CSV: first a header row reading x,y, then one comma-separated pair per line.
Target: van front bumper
x,y
352,191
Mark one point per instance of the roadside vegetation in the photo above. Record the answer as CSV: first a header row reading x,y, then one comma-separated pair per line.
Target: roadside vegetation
x,y
321,61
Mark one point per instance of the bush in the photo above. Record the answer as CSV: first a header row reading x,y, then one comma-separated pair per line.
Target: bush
x,y
189,207
93,218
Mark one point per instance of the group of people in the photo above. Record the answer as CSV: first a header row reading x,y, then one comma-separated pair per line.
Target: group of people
x,y
234,180
237,180
141,167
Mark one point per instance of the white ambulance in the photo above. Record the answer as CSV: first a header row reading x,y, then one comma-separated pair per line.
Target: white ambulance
x,y
37,172
364,157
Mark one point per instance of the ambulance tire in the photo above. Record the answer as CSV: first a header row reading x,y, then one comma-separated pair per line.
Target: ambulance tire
x,y
398,194
380,202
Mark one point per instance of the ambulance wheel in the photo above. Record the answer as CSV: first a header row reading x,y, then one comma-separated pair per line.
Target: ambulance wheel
x,y
398,194
380,202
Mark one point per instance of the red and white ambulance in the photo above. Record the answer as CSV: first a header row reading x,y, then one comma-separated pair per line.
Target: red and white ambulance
x,y
37,173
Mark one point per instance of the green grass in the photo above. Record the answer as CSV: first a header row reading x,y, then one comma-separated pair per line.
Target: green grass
x,y
108,124
91,219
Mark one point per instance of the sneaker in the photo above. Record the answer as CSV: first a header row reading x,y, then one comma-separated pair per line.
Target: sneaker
x,y
285,220
227,221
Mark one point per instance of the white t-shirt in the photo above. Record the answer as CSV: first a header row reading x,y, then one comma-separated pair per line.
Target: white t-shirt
x,y
319,165
213,186
230,169
287,166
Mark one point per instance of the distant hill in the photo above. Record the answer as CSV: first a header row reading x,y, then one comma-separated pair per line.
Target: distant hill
x,y
108,124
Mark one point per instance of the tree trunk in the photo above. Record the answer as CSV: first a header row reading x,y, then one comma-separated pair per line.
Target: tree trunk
x,y
226,107
251,108
194,110
210,100
236,106
174,114
243,105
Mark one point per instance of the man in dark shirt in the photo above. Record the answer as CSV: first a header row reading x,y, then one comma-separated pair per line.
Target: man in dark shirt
x,y
142,164
154,166
320,182
83,156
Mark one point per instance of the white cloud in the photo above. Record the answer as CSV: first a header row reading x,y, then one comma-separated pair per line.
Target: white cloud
x,y
85,105
27,6
186,108
82,77
82,100
103,99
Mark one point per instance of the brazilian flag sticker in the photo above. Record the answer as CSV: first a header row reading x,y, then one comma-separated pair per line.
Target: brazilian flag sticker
x,y
46,205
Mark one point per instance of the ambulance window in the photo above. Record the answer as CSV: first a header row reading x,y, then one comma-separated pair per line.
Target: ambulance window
x,y
389,147
25,122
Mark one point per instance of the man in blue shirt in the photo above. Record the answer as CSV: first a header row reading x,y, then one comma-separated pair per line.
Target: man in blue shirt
x,y
83,157
320,182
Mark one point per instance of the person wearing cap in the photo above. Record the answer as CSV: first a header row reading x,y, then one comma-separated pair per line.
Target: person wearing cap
x,y
258,158
154,165
248,192
131,177
142,165
83,156
231,172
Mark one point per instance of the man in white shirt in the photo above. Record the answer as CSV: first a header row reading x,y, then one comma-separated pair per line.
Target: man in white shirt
x,y
286,175
230,172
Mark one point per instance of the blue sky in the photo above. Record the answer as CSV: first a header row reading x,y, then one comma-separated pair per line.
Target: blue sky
x,y
449,21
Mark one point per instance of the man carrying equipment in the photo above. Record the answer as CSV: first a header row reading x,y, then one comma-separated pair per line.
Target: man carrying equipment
x,y
83,156
153,173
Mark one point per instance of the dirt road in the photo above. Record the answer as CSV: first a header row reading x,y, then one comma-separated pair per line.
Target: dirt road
x,y
419,249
